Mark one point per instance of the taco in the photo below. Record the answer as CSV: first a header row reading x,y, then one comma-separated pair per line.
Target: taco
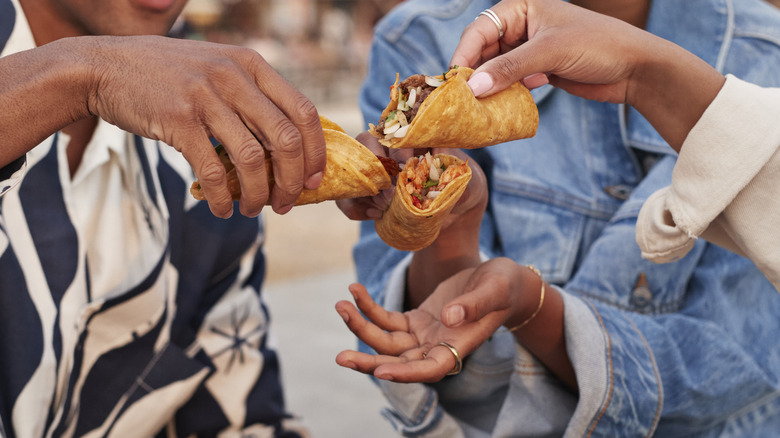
x,y
427,189
441,111
352,171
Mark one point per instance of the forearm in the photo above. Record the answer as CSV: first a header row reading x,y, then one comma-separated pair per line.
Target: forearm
x,y
544,333
43,90
672,88
456,248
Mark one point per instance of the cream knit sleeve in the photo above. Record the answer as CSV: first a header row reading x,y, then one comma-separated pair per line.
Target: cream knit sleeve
x,y
726,183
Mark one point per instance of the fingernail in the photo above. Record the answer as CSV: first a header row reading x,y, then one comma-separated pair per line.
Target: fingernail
x,y
314,181
388,377
536,80
480,83
344,315
374,213
454,316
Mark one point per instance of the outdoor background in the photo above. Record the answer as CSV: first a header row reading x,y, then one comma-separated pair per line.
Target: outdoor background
x,y
321,47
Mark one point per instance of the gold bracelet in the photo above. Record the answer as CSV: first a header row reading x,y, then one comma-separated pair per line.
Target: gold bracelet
x,y
538,308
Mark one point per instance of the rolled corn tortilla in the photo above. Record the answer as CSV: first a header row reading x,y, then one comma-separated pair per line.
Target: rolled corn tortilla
x,y
426,191
441,111
352,171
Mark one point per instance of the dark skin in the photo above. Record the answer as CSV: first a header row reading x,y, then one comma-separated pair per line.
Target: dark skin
x,y
108,60
576,49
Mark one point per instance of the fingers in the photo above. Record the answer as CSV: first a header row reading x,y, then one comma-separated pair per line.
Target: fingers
x,y
387,320
415,366
478,42
361,209
248,157
527,61
489,289
210,173
386,332
287,123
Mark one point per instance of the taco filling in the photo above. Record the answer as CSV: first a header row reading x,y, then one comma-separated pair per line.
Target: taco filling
x,y
406,99
425,177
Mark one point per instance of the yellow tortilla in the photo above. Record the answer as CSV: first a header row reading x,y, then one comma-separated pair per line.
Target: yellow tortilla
x,y
352,171
408,228
452,117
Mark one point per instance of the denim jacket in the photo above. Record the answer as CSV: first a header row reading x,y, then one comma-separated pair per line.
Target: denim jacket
x,y
687,348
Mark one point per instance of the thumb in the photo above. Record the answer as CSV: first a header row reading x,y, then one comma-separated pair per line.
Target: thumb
x,y
475,304
524,64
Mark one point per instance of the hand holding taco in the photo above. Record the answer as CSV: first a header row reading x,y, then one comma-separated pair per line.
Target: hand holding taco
x,y
441,111
352,171
426,191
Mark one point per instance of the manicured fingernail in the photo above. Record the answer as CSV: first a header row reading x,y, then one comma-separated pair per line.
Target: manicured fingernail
x,y
480,83
314,181
536,80
454,316
373,213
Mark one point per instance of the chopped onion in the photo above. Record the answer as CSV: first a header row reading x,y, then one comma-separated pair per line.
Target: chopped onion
x,y
400,132
433,82
433,194
412,98
435,173
401,117
402,104
392,128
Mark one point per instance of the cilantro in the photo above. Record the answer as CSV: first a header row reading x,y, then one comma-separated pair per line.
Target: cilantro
x,y
391,116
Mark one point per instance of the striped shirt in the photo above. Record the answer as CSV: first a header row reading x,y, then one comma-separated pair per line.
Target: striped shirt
x,y
126,307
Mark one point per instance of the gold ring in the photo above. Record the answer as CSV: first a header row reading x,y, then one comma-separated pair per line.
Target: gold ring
x,y
497,21
458,360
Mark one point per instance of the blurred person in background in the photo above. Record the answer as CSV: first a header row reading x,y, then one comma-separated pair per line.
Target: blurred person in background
x,y
597,340
126,307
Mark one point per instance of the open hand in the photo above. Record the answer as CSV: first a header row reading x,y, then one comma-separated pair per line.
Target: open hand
x,y
408,343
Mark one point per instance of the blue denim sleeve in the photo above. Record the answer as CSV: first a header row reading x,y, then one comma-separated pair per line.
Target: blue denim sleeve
x,y
689,347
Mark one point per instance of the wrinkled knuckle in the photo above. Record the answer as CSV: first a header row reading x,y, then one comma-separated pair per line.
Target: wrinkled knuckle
x,y
306,110
212,173
288,138
251,155
292,190
504,68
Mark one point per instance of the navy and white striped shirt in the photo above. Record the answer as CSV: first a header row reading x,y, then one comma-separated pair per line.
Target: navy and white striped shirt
x,y
126,307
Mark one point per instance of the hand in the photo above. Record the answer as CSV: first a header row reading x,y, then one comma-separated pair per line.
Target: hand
x,y
401,338
372,208
592,56
183,92
576,47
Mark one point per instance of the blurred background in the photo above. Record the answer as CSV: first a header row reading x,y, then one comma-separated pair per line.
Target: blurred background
x,y
321,47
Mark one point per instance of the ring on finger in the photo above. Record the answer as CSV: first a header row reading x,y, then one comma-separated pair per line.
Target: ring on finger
x,y
494,18
458,360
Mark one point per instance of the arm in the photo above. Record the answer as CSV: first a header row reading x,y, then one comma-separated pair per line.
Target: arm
x,y
636,368
578,51
180,92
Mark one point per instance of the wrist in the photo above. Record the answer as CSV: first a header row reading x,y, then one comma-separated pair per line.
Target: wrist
x,y
672,88
532,302
76,73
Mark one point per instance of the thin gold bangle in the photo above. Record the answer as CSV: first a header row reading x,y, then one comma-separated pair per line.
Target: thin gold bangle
x,y
538,308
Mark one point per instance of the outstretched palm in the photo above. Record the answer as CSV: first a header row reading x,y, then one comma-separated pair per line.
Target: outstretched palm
x,y
408,344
